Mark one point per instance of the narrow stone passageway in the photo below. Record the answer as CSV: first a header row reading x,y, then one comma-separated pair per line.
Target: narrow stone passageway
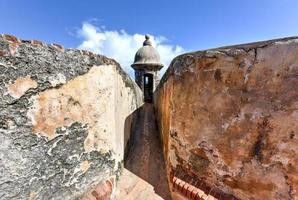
x,y
145,157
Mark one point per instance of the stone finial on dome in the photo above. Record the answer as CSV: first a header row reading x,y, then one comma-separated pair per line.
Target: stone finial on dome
x,y
147,41
147,57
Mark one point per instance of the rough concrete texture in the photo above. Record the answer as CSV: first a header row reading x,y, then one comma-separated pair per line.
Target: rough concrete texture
x,y
62,119
229,118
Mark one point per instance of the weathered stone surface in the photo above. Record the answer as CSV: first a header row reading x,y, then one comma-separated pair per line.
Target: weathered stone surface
x,y
103,191
229,117
62,119
132,187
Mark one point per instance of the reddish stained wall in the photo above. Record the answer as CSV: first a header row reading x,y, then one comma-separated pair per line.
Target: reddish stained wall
x,y
229,117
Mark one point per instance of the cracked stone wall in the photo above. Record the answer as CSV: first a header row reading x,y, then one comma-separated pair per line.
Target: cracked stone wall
x,y
63,119
229,118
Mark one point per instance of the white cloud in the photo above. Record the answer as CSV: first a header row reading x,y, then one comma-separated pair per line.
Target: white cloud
x,y
122,46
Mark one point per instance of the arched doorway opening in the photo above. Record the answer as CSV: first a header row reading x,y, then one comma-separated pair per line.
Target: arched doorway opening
x,y
148,88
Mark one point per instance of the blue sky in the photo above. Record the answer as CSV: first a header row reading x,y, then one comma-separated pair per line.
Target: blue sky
x,y
189,24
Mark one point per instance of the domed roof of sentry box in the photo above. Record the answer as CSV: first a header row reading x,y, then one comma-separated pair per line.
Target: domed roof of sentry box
x,y
147,56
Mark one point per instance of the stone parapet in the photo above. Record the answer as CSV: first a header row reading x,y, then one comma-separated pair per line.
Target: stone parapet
x,y
228,116
63,120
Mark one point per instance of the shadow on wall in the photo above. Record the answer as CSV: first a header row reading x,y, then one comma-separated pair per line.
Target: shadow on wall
x,y
143,150
130,124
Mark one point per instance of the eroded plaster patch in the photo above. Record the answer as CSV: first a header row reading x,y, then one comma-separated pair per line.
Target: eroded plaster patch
x,y
85,99
33,195
20,86
85,166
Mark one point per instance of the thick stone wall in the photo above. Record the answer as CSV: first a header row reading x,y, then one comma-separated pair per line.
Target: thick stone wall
x,y
228,118
63,120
